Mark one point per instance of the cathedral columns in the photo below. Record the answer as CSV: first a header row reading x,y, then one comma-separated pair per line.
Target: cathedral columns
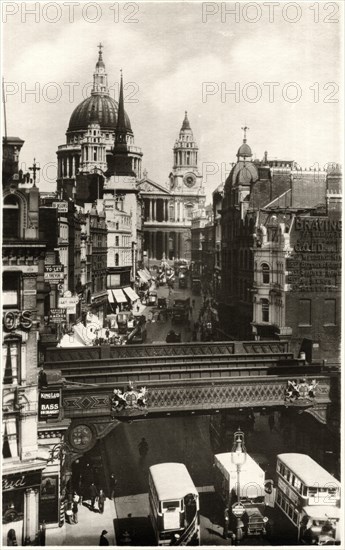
x,y
154,210
155,245
73,166
151,244
167,245
150,208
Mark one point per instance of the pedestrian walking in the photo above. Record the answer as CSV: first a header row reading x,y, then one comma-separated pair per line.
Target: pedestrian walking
x,y
93,495
101,501
113,484
103,541
69,513
75,507
143,447
271,422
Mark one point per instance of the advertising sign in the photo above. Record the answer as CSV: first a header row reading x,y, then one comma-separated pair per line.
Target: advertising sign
x,y
69,304
54,272
49,503
21,480
49,404
62,206
57,315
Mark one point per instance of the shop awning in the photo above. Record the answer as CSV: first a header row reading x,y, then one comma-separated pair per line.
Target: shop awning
x,y
119,296
143,276
132,295
147,273
110,297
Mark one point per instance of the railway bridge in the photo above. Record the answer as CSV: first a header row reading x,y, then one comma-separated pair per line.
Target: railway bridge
x,y
104,385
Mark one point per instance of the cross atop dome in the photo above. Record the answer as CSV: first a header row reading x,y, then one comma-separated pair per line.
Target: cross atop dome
x,y
244,151
245,128
100,46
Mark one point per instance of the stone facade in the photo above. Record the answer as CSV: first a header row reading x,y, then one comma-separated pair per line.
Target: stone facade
x,y
168,209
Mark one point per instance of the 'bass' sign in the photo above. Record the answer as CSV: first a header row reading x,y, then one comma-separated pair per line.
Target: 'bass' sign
x,y
49,404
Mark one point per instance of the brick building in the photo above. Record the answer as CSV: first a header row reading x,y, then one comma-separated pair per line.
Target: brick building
x,y
281,243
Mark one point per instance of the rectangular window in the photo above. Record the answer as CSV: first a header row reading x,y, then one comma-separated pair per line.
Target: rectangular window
x,y
11,369
265,310
329,312
304,313
10,290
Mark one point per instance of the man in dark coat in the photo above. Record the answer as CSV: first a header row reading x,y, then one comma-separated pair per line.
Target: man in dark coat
x,y
93,495
103,541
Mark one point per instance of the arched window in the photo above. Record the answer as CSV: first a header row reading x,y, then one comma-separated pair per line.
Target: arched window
x,y
265,273
11,217
265,309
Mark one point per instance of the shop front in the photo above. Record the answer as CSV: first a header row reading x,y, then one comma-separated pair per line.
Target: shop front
x,y
20,506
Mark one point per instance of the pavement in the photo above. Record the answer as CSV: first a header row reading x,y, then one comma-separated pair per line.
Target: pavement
x,y
88,529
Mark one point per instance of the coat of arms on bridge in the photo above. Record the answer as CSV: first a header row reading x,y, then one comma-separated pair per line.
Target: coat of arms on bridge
x,y
301,393
130,401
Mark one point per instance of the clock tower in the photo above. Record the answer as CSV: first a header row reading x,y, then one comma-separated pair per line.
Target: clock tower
x,y
185,177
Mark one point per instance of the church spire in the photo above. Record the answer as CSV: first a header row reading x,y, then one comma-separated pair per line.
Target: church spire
x,y
123,126
122,163
100,77
185,124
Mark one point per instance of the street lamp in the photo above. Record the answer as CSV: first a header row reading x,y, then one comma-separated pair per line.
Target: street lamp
x,y
238,457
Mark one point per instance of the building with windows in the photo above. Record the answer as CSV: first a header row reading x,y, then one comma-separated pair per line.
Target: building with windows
x,y
26,439
101,165
94,250
281,263
217,198
168,208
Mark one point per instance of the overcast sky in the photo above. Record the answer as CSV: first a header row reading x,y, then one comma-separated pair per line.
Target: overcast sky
x,y
182,56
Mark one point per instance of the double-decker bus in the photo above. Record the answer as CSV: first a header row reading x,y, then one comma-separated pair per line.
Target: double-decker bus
x,y
309,496
174,505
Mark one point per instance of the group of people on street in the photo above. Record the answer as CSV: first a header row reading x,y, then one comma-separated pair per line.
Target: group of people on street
x,y
73,501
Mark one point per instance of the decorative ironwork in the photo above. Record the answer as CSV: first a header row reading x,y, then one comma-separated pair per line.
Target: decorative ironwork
x,y
297,391
188,395
59,451
129,399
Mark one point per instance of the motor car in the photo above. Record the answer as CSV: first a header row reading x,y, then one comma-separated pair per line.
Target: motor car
x,y
173,337
152,300
162,303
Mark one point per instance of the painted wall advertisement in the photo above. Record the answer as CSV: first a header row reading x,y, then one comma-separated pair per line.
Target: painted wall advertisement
x,y
49,505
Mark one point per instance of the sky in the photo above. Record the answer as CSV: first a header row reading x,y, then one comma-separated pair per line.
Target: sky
x,y
283,64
